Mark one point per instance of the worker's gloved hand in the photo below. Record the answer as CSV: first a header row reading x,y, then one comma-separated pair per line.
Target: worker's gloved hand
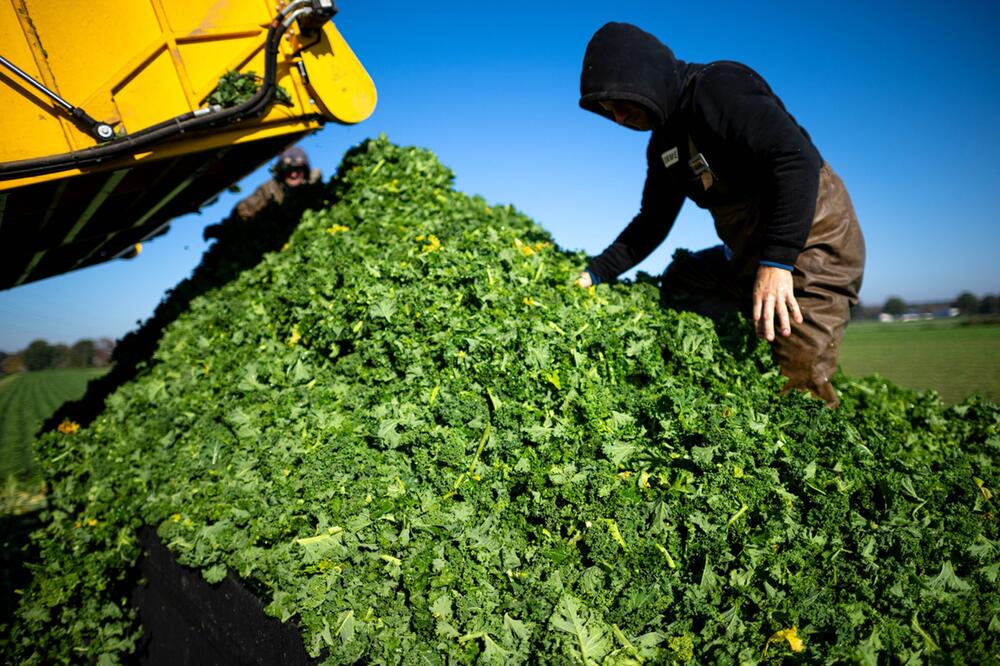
x,y
774,297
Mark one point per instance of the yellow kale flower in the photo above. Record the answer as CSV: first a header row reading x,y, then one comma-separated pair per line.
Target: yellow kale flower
x,y
68,427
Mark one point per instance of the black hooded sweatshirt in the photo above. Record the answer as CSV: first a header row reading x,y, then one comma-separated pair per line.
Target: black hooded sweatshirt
x,y
755,149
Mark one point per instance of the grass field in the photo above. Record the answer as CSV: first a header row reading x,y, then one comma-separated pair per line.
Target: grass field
x,y
26,400
952,357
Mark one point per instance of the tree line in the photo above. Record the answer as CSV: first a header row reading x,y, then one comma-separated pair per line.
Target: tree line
x,y
40,355
966,303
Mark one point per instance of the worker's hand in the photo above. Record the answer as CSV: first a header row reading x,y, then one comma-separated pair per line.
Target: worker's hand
x,y
584,280
773,296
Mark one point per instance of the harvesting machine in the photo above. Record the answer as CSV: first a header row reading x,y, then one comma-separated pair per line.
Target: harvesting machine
x,y
109,132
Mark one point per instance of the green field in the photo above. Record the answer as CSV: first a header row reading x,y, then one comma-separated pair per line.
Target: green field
x,y
26,400
954,358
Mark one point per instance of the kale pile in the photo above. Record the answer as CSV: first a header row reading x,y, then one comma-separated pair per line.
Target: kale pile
x,y
415,437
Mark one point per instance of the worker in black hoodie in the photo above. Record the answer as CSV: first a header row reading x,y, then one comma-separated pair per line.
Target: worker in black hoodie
x,y
793,254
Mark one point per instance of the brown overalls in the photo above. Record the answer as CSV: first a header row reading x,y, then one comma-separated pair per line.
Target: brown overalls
x,y
827,278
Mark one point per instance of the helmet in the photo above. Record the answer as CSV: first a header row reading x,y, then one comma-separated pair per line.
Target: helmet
x,y
292,158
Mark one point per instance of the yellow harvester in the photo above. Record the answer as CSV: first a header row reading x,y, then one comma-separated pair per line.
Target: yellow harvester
x,y
108,133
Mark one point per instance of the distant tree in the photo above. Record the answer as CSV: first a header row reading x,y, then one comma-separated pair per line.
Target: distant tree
x,y
990,304
60,356
967,303
81,354
103,350
12,364
38,355
894,306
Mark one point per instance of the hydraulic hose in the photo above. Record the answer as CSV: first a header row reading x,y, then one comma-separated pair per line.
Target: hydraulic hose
x,y
187,122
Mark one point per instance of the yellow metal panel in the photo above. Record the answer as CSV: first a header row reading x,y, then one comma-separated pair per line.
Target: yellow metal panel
x,y
85,42
26,113
175,57
193,18
339,83
153,94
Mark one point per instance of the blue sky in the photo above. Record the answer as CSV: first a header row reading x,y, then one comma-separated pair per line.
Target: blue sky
x,y
902,98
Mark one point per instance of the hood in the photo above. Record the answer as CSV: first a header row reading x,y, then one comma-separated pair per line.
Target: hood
x,y
290,158
625,62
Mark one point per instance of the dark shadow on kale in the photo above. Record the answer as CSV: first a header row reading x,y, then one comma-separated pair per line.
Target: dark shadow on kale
x,y
15,551
239,245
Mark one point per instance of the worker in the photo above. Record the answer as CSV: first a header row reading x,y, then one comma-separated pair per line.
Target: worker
x,y
291,170
290,173
792,253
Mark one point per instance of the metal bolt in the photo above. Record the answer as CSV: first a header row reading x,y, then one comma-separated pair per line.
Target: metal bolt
x,y
105,131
